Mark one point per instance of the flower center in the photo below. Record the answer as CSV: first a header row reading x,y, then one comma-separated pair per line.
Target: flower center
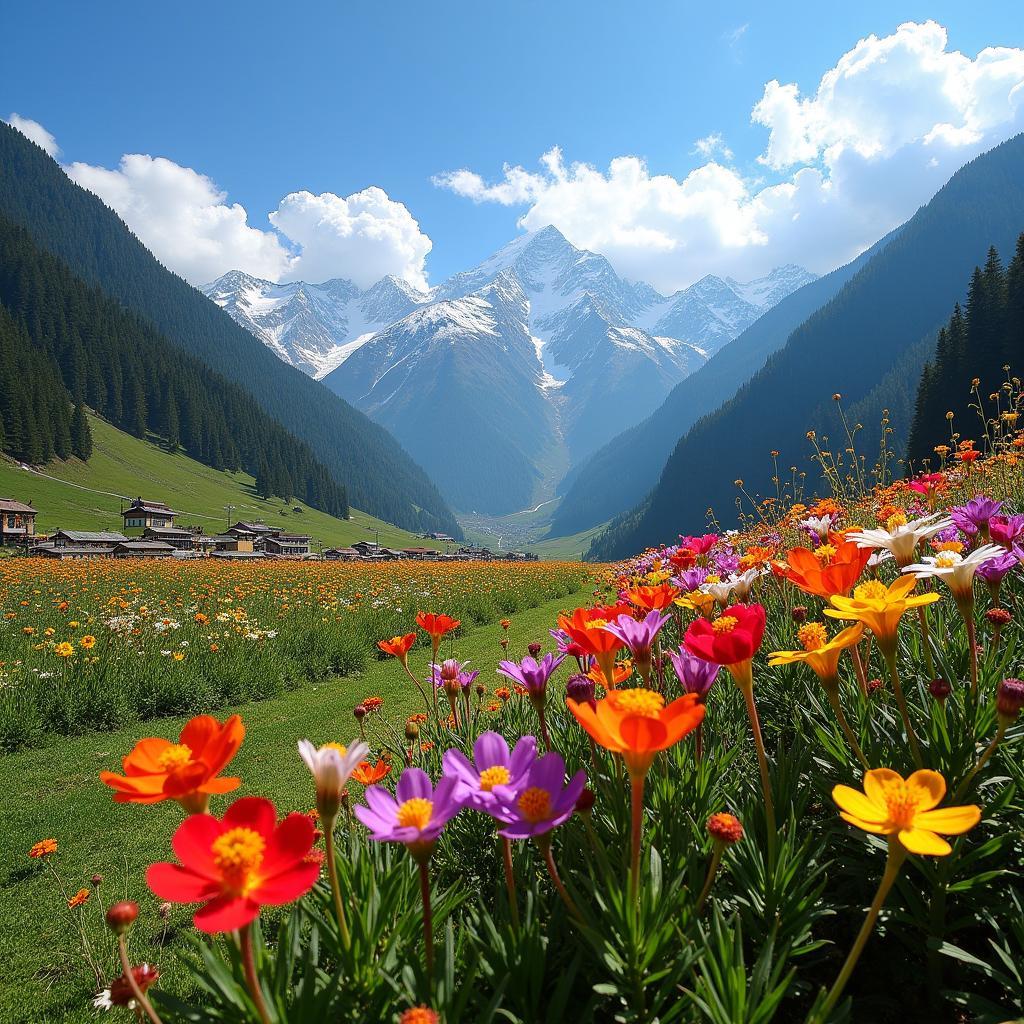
x,y
177,755
873,590
901,803
824,553
535,804
947,559
343,750
894,522
725,624
238,854
596,623
639,701
496,775
949,545
415,813
813,636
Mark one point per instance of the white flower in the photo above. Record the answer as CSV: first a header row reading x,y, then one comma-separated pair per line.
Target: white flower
x,y
331,765
738,585
903,540
819,526
956,570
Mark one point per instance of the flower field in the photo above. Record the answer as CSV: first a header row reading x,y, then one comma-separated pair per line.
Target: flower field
x,y
100,643
762,776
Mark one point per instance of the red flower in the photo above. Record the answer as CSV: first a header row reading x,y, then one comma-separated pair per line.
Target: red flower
x,y
684,558
653,598
398,646
729,640
237,864
436,626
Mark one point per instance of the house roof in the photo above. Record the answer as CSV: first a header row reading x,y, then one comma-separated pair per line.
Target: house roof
x,y
254,527
73,549
10,505
168,531
89,537
292,537
237,554
145,545
141,505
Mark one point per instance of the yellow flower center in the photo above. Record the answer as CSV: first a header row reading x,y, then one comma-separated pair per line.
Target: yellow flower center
x,y
496,775
596,623
950,545
824,553
238,854
639,701
873,590
535,804
177,755
724,624
894,522
713,579
335,746
813,636
901,803
415,813
947,559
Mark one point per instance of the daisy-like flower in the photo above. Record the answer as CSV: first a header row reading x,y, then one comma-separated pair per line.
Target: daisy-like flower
x,y
332,765
906,809
493,765
956,570
902,540
540,801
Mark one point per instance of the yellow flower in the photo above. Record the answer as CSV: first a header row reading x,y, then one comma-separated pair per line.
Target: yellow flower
x,y
64,650
88,642
907,809
178,656
824,660
880,608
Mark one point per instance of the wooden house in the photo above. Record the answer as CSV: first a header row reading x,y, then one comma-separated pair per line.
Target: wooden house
x,y
144,549
143,515
290,544
17,522
179,538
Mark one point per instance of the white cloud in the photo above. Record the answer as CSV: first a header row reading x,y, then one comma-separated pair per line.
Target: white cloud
x,y
362,237
185,219
883,131
36,132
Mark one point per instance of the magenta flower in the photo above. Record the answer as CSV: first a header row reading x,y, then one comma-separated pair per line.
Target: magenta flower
x,y
532,674
975,515
493,765
540,801
694,674
417,813
1006,530
453,675
996,568
638,636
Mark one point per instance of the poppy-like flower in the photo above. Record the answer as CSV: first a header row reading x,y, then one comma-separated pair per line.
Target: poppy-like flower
x,y
88,641
64,650
880,608
585,628
236,864
79,899
902,540
332,766
725,828
187,771
699,545
639,636
637,724
826,571
656,598
367,774
621,672
415,816
540,801
43,848
419,1015
906,809
695,674
731,639
436,625
398,646
819,653
493,765
956,570
531,674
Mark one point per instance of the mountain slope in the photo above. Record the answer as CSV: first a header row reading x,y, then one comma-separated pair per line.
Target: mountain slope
x,y
899,297
81,231
609,481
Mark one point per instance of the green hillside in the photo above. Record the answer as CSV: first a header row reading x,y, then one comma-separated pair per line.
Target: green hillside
x,y
76,495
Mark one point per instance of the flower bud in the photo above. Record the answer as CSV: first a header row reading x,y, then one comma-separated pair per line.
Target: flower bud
x,y
359,711
874,685
96,880
481,690
799,613
725,828
580,688
997,617
121,991
533,649
1009,701
586,801
939,689
121,916
412,731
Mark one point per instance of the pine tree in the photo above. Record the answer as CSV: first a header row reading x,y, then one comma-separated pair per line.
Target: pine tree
x,y
81,433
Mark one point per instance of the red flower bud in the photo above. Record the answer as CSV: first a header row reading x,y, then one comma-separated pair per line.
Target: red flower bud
x,y
799,613
939,689
121,916
533,649
586,800
725,828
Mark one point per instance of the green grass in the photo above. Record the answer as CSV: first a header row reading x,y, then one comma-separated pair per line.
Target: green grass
x,y
86,496
55,792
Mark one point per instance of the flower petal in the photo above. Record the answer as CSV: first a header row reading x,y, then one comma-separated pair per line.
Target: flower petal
x,y
930,788
858,804
287,886
179,885
225,914
950,821
875,782
919,840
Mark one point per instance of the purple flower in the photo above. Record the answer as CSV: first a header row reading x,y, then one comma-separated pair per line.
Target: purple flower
x,y
1006,530
561,638
690,579
492,765
996,568
538,803
418,815
726,563
638,636
453,675
580,688
975,515
695,674
530,673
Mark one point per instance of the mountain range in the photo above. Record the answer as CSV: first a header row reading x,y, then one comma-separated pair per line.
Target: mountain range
x,y
501,378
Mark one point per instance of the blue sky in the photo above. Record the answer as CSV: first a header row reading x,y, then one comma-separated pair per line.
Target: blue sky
x,y
267,99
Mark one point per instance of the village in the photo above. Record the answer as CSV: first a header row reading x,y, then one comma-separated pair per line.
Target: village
x,y
149,530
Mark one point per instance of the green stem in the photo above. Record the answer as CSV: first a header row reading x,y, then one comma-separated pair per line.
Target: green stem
x,y
637,791
716,859
428,917
925,641
510,880
544,842
332,874
961,790
745,681
138,995
833,698
249,965
892,868
901,701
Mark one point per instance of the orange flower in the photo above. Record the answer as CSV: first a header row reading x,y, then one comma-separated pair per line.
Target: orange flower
x,y
834,571
621,670
367,774
78,899
584,628
43,848
653,598
637,725
398,646
186,771
436,625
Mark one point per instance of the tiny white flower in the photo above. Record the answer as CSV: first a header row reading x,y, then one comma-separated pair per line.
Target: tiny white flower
x,y
332,766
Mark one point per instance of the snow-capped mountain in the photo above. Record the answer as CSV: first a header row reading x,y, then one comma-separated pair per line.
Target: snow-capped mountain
x,y
313,326
502,376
